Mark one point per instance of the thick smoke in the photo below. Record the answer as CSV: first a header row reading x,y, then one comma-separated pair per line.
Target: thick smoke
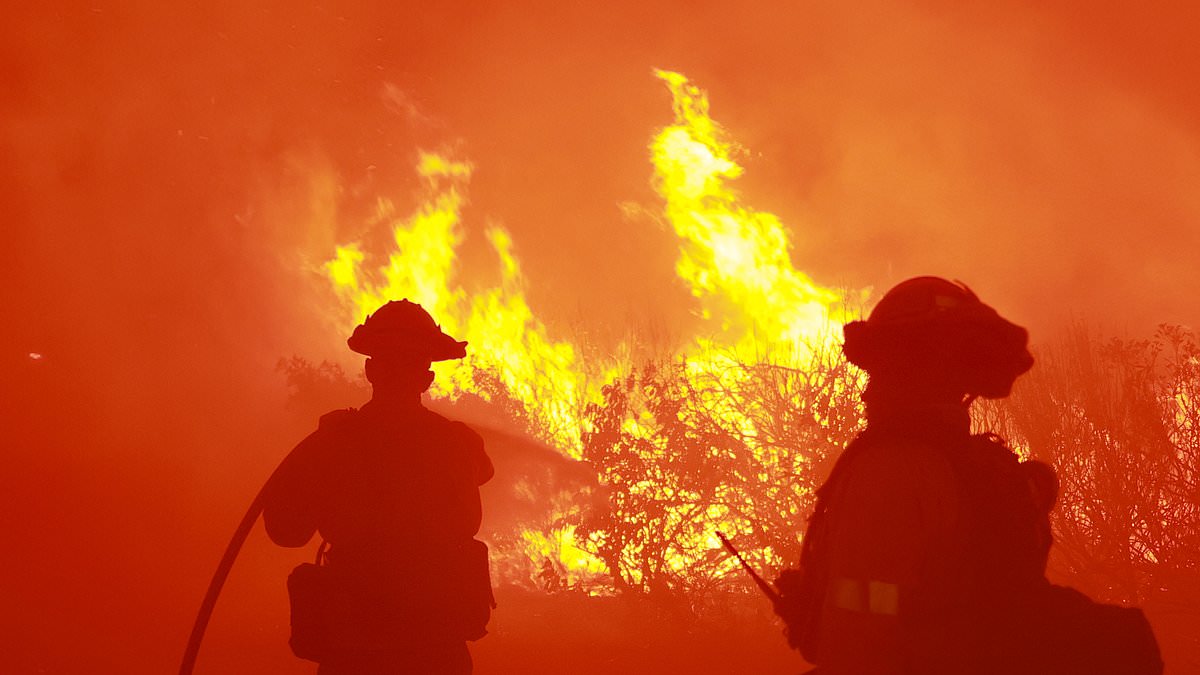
x,y
174,177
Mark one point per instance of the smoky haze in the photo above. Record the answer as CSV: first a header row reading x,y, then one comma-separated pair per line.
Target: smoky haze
x,y
174,178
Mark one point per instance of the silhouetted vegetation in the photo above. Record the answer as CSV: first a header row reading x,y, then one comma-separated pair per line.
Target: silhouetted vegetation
x,y
684,454
677,455
315,389
1120,421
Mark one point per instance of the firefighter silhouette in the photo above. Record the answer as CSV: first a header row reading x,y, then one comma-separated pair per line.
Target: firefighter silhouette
x,y
400,584
927,549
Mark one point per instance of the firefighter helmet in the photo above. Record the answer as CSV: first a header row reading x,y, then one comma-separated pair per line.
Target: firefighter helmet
x,y
403,328
928,327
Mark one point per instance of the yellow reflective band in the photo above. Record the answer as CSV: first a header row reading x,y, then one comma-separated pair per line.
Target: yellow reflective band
x,y
847,594
876,597
883,598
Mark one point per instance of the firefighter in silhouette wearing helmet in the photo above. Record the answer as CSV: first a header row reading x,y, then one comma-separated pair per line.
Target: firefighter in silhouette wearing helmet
x,y
393,490
927,549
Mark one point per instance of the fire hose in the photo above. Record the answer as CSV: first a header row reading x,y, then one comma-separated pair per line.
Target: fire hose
x,y
243,531
219,576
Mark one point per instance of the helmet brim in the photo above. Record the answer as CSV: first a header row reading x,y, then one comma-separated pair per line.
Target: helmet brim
x,y
403,329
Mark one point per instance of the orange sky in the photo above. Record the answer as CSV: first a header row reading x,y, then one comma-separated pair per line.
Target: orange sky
x,y
173,177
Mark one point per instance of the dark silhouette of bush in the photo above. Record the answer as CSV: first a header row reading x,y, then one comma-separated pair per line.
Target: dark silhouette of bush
x,y
679,452
683,453
1120,422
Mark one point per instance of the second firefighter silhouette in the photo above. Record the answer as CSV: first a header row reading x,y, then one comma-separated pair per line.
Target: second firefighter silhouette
x,y
927,549
393,489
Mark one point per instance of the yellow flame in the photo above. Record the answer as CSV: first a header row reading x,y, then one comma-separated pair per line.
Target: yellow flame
x,y
570,560
736,262
734,259
421,266
505,339
729,251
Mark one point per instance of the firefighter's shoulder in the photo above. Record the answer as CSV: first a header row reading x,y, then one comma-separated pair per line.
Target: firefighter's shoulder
x,y
331,429
470,443
902,464
335,419
460,433
468,436
902,480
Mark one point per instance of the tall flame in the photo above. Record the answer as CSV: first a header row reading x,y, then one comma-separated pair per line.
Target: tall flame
x,y
756,304
733,259
730,252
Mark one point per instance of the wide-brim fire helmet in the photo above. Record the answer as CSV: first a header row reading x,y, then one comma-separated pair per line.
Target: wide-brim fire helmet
x,y
928,329
404,330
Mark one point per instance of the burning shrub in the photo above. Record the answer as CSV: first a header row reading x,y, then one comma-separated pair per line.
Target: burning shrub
x,y
683,454
1120,422
674,452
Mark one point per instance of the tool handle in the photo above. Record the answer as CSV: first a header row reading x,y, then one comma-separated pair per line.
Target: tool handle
x,y
762,584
